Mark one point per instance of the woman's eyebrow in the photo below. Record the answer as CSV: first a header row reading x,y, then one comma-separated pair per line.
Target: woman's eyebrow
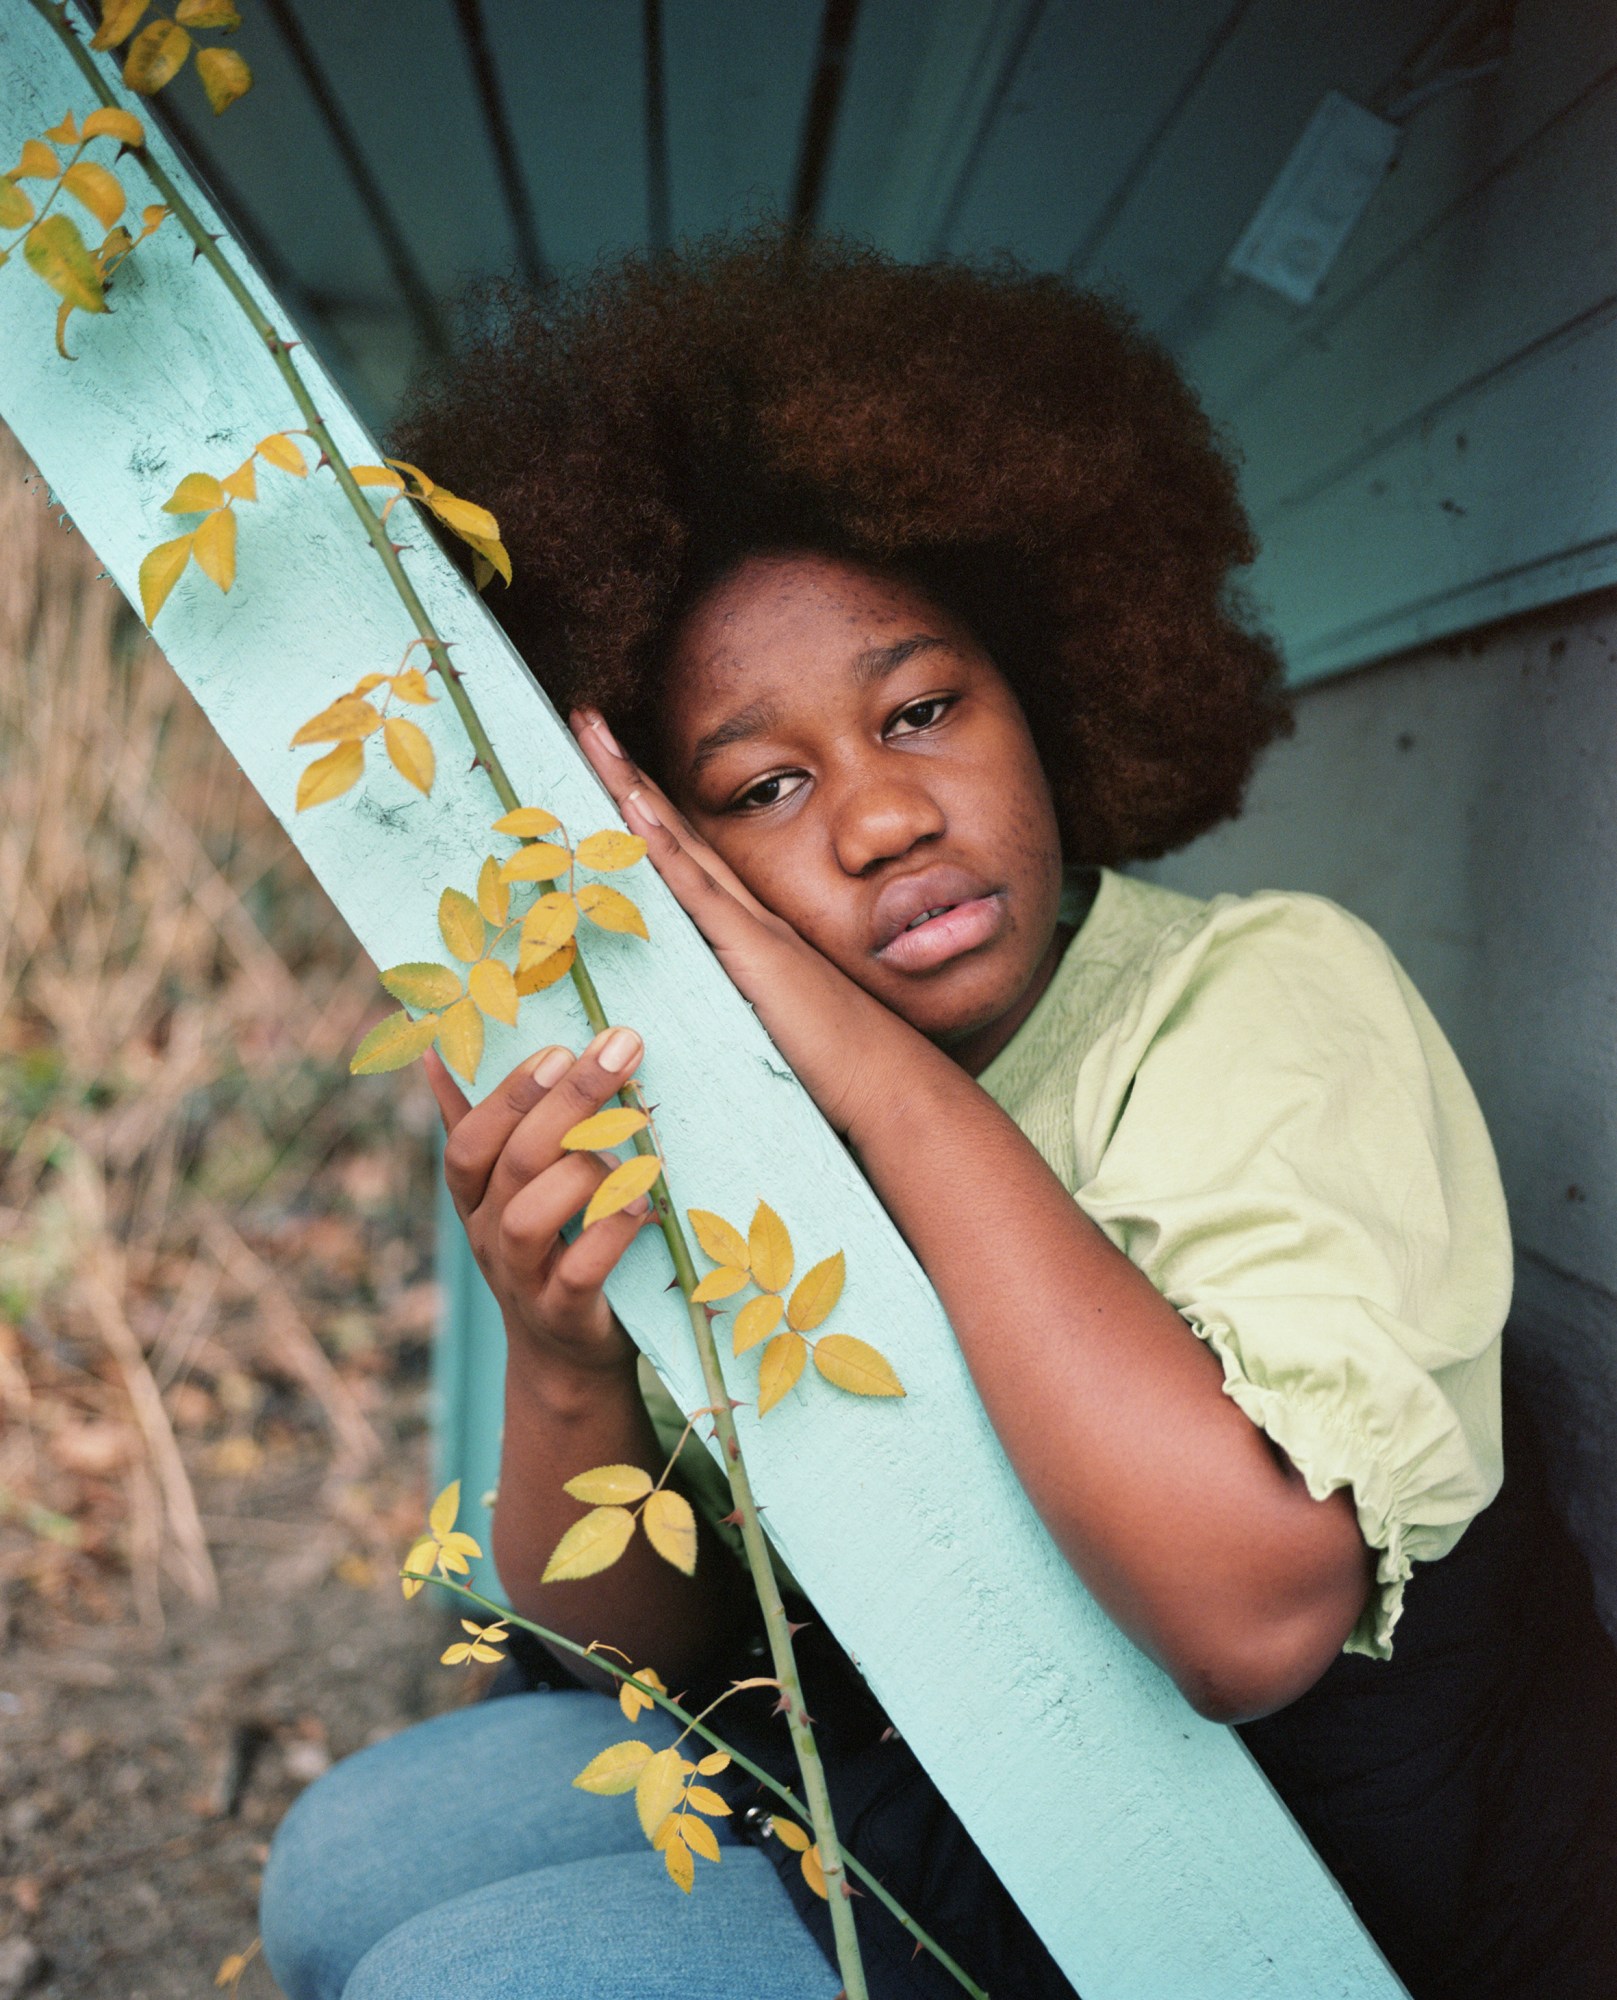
x,y
869,667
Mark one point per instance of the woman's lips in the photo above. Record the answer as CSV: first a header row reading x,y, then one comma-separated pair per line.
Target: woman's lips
x,y
960,929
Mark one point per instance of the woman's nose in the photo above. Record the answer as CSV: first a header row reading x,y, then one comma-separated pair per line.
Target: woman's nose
x,y
879,816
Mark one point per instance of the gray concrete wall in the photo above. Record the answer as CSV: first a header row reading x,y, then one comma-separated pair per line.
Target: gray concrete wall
x,y
1463,800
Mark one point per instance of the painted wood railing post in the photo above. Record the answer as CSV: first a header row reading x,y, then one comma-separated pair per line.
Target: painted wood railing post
x,y
1141,1840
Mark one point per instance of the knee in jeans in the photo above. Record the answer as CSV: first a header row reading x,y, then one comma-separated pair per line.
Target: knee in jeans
x,y
310,1906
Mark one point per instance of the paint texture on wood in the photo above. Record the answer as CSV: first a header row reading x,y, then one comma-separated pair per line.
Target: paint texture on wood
x,y
1140,1840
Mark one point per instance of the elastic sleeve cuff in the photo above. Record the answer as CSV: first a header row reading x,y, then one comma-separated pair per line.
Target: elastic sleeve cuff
x,y
1329,1452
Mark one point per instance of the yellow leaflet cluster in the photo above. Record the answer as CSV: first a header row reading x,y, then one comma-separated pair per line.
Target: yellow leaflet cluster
x,y
232,1968
668,1798
443,1547
472,930
53,248
213,543
158,53
483,1646
791,1835
617,1496
475,525
764,1258
353,717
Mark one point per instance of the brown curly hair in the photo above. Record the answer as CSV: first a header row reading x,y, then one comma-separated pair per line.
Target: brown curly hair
x,y
1018,448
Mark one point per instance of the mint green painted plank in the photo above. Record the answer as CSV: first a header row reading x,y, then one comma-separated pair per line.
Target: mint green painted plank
x,y
1141,1841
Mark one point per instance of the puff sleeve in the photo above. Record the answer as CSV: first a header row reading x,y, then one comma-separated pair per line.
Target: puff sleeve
x,y
1277,1133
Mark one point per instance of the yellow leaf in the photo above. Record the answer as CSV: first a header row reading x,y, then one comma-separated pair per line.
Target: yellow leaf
x,y
550,923
671,1529
493,897
207,14
756,1321
199,493
423,984
99,191
677,1860
622,1185
160,570
376,475
609,1485
463,516
722,1283
719,1239
282,451
789,1834
423,1554
611,849
778,1371
66,133
816,1293
443,1511
16,208
536,975
615,1769
590,1545
611,910
714,1762
460,1038
699,1836
769,1250
348,720
814,1872
460,925
542,862
454,1549
855,1365
410,750
156,54
56,252
494,990
452,1656
393,1043
118,18
242,484
215,547
415,472
657,1789
411,685
108,122
705,1801
492,556
531,822
38,163
366,684
632,1701
607,1128
225,77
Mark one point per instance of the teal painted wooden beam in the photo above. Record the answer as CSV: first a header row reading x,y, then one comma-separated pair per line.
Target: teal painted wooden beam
x,y
1141,1841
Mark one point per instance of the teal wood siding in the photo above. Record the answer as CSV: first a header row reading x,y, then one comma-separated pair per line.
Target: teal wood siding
x,y
1140,1839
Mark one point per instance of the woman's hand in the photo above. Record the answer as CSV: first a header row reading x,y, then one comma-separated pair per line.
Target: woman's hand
x,y
514,1187
841,1042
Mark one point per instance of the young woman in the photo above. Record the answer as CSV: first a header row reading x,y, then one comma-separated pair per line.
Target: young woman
x,y
892,605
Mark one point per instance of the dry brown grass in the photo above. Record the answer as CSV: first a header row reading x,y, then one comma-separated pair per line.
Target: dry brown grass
x,y
207,1227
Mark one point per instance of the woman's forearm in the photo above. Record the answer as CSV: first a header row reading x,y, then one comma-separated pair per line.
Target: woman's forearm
x,y
1193,1531
556,1426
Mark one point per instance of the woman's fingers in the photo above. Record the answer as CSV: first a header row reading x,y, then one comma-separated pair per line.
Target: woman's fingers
x,y
576,1090
626,782
453,1103
480,1131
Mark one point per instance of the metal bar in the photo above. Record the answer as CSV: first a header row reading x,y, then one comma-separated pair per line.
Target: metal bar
x,y
820,122
513,183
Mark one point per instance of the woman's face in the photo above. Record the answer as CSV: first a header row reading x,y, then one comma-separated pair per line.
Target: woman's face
x,y
851,751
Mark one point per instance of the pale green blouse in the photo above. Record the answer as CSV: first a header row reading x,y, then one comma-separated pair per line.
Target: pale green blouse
x,y
1253,1102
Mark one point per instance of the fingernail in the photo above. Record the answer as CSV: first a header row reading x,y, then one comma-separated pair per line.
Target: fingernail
x,y
643,806
617,1051
641,1205
550,1067
597,722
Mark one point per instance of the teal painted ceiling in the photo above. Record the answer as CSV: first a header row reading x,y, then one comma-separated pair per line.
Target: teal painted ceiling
x,y
1421,441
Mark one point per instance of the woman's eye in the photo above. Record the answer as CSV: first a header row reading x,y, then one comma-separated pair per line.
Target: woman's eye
x,y
921,714
767,791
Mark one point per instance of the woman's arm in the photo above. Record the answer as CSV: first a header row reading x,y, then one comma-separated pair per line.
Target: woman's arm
x,y
1197,1535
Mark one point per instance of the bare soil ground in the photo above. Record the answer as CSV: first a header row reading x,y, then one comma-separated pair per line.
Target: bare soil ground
x,y
216,1308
